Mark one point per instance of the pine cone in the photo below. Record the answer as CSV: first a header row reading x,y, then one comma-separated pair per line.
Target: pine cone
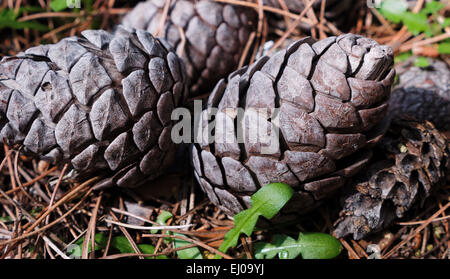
x,y
102,103
423,93
336,11
332,96
216,35
411,162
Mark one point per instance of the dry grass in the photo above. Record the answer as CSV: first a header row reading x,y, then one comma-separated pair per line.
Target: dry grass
x,y
43,212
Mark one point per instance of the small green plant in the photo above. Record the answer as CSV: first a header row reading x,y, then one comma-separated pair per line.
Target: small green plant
x,y
444,48
397,12
425,21
402,56
267,202
119,243
60,5
421,62
308,245
9,19
188,253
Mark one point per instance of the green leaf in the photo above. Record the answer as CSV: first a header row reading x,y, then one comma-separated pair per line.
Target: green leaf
x,y
119,243
6,219
416,23
87,5
8,14
446,22
393,10
402,57
308,245
162,219
421,62
22,25
8,19
31,9
188,253
100,243
122,244
266,202
319,246
34,212
96,23
434,30
444,48
58,5
396,79
282,245
432,7
101,240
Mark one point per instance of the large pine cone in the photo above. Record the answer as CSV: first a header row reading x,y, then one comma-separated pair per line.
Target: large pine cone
x,y
410,162
102,103
423,93
332,96
336,11
216,35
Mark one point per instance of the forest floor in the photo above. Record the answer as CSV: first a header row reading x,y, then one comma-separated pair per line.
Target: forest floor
x,y
45,214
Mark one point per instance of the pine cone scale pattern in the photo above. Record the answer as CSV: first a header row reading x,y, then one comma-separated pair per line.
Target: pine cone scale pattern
x,y
214,35
101,103
320,126
410,163
423,93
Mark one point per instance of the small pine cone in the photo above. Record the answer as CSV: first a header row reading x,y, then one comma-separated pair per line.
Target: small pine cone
x,y
332,99
423,93
336,11
411,162
102,103
215,35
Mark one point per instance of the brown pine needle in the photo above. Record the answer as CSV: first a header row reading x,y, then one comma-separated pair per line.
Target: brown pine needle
x,y
199,243
419,229
292,28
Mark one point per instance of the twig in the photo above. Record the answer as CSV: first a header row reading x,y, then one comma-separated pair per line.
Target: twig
x,y
423,221
31,182
383,21
445,239
411,236
425,42
135,227
199,243
352,254
55,248
180,50
266,8
64,199
291,29
52,198
26,235
133,215
16,175
163,18
49,15
10,167
127,235
170,251
90,234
